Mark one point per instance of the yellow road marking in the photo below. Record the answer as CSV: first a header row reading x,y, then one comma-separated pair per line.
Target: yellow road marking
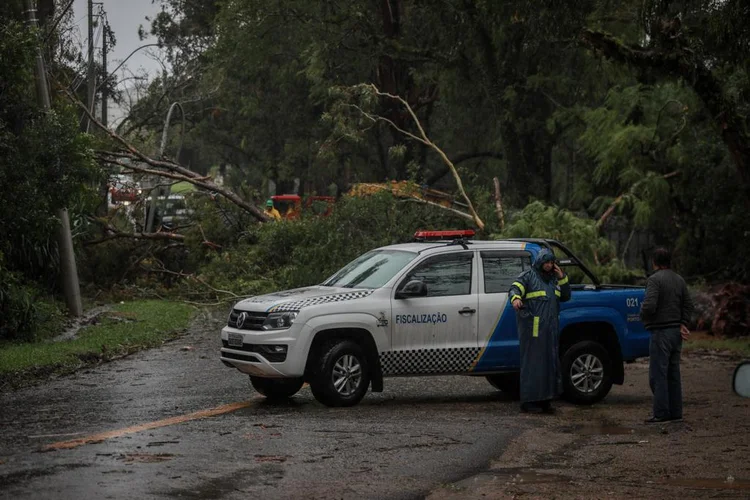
x,y
98,438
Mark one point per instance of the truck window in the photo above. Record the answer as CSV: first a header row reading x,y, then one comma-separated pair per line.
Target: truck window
x,y
444,275
501,270
371,270
574,272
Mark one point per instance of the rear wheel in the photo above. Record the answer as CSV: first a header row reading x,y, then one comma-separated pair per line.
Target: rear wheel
x,y
509,383
277,388
342,374
587,373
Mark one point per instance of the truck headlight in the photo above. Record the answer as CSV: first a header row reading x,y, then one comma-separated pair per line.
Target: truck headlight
x,y
280,320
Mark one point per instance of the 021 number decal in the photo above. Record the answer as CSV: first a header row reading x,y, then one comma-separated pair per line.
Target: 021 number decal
x,y
633,302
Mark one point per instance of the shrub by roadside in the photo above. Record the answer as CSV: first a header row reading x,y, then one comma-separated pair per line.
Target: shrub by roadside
x,y
130,327
25,313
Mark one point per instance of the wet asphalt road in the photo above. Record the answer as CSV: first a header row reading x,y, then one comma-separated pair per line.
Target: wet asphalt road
x,y
418,434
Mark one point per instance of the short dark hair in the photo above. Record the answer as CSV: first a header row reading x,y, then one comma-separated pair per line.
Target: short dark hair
x,y
662,257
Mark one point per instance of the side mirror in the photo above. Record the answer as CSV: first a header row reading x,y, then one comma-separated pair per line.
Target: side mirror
x,y
413,288
741,381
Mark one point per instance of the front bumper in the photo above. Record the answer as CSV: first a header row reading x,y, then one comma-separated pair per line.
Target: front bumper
x,y
253,361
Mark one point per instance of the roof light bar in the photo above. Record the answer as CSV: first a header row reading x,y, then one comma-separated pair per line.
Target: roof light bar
x,y
444,235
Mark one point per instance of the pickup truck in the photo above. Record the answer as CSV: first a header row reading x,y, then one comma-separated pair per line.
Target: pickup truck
x,y
435,306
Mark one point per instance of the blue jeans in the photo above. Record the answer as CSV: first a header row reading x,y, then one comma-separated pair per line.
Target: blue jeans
x,y
664,372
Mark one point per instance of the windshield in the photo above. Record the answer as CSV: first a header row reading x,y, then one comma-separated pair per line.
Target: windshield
x,y
371,270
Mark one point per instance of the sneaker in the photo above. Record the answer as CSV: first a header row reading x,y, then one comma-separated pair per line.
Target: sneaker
x,y
675,420
656,420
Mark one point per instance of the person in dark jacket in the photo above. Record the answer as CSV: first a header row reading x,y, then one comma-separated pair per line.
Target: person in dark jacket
x,y
536,297
666,311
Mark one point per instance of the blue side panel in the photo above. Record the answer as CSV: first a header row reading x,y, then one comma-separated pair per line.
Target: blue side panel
x,y
617,307
501,351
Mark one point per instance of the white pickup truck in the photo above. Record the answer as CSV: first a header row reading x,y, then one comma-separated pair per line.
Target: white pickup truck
x,y
435,306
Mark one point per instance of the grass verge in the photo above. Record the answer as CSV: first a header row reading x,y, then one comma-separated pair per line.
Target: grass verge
x,y
739,347
128,328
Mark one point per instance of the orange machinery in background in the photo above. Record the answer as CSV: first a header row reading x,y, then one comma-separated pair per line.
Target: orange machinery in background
x,y
290,206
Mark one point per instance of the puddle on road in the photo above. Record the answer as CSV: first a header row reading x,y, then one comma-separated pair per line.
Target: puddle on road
x,y
710,484
600,429
146,458
272,458
604,430
512,477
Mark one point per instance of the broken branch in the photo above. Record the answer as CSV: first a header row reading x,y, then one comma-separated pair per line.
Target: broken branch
x,y
425,140
499,204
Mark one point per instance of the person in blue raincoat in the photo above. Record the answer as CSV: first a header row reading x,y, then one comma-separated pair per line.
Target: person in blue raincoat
x,y
536,297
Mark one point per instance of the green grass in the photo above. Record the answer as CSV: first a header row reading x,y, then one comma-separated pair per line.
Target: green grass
x,y
739,347
127,328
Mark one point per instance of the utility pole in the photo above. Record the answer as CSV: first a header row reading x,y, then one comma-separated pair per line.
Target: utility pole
x,y
91,74
153,203
42,90
103,207
68,268
104,68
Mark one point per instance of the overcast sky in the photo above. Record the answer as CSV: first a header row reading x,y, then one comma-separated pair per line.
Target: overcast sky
x,y
124,17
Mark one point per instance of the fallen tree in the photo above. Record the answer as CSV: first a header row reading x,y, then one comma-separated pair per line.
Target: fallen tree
x,y
421,138
134,161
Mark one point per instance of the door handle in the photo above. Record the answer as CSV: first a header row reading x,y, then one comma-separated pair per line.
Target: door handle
x,y
467,310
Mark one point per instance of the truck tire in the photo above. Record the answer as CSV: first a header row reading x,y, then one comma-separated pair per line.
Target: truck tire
x,y
586,373
509,383
341,375
275,389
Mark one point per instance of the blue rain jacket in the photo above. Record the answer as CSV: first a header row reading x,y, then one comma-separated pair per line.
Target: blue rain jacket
x,y
538,329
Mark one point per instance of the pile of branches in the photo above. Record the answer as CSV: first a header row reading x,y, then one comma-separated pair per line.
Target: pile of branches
x,y
732,311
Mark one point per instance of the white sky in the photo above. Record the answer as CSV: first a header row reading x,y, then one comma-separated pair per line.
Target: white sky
x,y
125,16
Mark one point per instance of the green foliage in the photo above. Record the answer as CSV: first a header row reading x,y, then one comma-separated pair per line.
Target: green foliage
x,y
505,88
288,254
579,234
45,162
25,313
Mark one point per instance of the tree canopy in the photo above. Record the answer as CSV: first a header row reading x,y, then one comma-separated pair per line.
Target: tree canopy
x,y
631,110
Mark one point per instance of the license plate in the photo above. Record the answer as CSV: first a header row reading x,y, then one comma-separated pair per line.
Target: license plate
x,y
235,339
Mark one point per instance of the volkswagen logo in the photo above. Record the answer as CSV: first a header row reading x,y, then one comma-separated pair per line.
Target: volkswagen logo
x,y
241,319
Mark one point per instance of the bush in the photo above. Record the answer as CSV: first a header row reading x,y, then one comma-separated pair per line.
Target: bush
x,y
24,315
289,254
579,234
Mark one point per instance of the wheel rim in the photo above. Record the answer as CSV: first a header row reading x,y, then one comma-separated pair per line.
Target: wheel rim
x,y
587,373
347,375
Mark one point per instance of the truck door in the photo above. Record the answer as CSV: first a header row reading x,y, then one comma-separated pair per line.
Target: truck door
x,y
436,333
498,336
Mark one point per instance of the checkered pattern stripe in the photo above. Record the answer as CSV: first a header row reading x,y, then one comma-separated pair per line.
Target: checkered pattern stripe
x,y
423,361
338,297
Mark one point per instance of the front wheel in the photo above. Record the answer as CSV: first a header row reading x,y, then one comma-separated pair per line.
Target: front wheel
x,y
275,389
341,374
586,373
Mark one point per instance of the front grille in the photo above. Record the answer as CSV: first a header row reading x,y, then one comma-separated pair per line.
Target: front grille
x,y
273,357
241,357
253,320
